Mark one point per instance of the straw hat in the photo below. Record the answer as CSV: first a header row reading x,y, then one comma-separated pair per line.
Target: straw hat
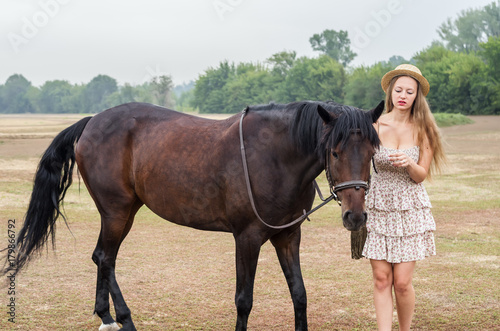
x,y
406,70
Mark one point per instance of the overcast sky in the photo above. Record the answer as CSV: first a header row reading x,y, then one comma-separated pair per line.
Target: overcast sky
x,y
132,41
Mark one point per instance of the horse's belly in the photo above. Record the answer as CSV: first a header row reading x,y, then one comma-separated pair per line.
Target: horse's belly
x,y
184,202
200,216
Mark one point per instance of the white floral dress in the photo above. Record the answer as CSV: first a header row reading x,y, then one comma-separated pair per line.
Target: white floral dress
x,y
400,223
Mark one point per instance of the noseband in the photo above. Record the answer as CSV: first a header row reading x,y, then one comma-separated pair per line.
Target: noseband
x,y
357,184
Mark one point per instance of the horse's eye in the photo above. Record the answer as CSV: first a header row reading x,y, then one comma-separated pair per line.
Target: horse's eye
x,y
335,155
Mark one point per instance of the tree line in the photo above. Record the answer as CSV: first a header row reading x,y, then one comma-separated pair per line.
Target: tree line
x,y
463,69
18,95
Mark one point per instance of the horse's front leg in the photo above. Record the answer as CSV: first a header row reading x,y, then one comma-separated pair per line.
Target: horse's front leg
x,y
247,254
287,247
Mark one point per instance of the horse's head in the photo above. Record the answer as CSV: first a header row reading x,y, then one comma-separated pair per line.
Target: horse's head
x,y
347,147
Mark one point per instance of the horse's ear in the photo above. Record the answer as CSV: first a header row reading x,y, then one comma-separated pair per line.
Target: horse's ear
x,y
377,111
325,115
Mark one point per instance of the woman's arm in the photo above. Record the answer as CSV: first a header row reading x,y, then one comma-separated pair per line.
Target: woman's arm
x,y
418,170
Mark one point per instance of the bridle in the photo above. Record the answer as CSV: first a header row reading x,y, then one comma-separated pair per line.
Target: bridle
x,y
337,187
334,187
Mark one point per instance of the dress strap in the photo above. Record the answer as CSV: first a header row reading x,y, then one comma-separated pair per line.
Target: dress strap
x,y
373,161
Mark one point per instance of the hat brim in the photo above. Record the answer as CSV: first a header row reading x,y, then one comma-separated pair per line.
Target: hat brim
x,y
386,80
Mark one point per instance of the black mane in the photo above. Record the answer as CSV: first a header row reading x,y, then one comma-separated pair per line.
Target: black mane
x,y
310,135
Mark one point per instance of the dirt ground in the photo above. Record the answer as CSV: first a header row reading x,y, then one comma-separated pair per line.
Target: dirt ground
x,y
176,278
481,137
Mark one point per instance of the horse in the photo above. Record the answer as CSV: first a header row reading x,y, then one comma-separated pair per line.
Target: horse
x,y
251,175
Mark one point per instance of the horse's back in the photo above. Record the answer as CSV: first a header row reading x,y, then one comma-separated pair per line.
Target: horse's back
x,y
142,120
146,113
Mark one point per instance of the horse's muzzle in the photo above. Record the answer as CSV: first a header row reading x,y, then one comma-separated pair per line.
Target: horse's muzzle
x,y
354,221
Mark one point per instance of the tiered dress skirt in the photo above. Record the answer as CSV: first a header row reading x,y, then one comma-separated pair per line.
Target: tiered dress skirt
x,y
400,223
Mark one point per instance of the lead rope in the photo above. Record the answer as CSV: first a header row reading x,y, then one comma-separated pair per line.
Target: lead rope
x,y
249,188
358,238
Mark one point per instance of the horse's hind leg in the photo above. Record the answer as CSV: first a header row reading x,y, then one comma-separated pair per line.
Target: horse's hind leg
x,y
114,228
287,248
102,292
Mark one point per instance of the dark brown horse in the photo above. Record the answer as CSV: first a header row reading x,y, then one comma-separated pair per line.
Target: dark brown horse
x,y
189,170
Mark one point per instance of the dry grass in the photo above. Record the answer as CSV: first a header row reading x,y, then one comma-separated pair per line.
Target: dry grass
x,y
176,278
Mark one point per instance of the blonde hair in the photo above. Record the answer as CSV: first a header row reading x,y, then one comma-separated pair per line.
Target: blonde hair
x,y
425,125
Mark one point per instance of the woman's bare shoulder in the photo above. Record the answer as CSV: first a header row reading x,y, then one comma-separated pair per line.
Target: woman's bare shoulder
x,y
384,120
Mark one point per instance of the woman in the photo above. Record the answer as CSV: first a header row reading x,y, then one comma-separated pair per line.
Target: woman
x,y
400,224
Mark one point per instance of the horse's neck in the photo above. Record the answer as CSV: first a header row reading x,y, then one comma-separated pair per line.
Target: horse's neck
x,y
311,168
305,167
270,135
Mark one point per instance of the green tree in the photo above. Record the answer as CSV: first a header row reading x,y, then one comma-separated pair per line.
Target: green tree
x,y
459,81
128,93
57,97
363,89
253,85
183,96
3,104
468,84
74,103
161,87
396,60
184,100
491,53
140,93
124,94
320,78
491,19
208,95
282,62
17,95
97,91
433,53
464,33
336,45
470,28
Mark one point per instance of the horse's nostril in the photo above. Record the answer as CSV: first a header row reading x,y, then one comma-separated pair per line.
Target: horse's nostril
x,y
347,214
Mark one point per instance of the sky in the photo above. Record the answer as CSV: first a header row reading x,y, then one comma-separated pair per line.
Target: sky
x,y
133,41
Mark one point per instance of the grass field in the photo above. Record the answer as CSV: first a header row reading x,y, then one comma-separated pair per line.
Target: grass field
x,y
177,278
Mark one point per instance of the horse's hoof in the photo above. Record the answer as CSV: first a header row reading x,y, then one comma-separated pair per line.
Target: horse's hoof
x,y
109,327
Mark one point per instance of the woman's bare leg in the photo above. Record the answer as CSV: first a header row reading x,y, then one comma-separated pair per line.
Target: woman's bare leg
x,y
405,294
383,280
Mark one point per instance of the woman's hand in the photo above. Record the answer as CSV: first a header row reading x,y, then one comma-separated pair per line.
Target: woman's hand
x,y
401,160
418,171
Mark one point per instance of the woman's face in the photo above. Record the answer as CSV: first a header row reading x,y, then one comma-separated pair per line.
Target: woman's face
x,y
404,93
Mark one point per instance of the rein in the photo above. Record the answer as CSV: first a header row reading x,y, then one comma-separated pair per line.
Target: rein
x,y
357,184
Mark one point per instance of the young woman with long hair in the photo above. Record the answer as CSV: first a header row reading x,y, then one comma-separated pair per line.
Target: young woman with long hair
x,y
400,223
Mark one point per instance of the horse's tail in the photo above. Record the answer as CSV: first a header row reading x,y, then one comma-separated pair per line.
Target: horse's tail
x,y
52,180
